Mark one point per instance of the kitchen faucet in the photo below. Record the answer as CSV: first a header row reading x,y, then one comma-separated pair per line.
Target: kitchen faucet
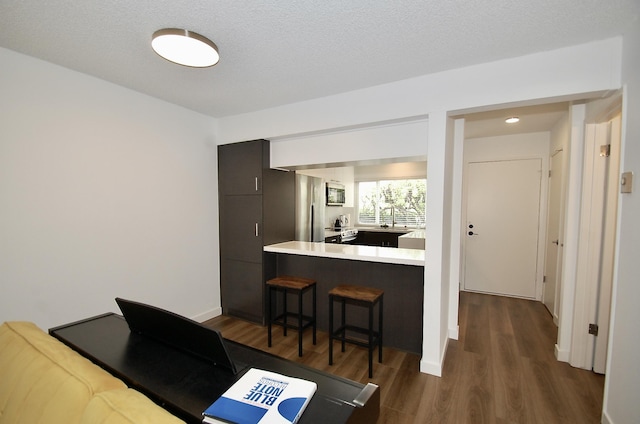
x,y
393,216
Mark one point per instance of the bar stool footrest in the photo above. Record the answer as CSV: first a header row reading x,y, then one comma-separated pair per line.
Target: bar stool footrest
x,y
292,321
340,335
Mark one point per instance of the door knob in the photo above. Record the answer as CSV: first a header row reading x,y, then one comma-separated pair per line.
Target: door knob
x,y
471,233
555,242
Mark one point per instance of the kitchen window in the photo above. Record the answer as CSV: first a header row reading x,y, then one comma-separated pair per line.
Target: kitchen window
x,y
402,202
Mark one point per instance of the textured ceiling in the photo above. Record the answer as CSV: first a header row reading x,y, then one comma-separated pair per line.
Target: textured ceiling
x,y
277,52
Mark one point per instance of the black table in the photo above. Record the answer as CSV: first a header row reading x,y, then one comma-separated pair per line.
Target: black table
x,y
186,385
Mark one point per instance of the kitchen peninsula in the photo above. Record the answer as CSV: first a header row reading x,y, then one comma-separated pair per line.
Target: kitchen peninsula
x,y
399,272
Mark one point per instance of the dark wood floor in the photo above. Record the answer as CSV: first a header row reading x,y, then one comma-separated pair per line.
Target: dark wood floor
x,y
501,370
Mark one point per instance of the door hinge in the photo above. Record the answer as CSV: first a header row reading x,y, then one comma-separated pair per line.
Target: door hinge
x,y
549,173
544,278
605,150
593,329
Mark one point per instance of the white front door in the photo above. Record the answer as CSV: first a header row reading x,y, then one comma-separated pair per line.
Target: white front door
x,y
502,212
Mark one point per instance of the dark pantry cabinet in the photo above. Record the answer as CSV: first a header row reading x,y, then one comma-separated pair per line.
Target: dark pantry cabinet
x,y
256,209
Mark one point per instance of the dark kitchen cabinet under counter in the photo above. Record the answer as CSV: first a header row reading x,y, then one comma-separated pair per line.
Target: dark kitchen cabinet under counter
x,y
256,208
399,272
378,238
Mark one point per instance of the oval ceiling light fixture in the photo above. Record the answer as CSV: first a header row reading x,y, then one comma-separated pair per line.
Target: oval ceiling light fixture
x,y
512,120
185,47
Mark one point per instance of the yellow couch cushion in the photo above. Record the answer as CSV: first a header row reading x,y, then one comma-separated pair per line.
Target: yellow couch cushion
x,y
43,380
125,407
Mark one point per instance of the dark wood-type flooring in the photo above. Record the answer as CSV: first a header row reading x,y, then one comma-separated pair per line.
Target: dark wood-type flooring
x,y
501,370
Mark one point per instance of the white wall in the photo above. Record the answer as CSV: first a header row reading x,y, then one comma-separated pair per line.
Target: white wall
x,y
560,135
391,170
455,266
449,217
622,384
508,147
561,74
437,238
104,192
388,141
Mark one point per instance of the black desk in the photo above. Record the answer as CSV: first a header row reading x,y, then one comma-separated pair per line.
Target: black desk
x,y
185,384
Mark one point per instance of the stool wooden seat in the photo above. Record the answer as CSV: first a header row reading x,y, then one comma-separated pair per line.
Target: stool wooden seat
x,y
361,296
298,286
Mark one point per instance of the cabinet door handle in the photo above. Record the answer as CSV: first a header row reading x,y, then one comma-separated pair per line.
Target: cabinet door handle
x,y
256,186
257,234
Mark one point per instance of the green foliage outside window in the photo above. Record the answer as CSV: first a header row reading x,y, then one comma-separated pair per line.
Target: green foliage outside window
x,y
405,200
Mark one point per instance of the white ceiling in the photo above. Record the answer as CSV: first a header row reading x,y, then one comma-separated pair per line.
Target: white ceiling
x,y
277,52
535,118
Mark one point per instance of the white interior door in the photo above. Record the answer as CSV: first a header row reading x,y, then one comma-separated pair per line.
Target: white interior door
x,y
603,308
501,243
552,268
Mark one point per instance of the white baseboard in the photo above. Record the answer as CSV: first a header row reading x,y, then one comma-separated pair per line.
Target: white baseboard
x,y
215,312
561,355
454,332
434,368
431,368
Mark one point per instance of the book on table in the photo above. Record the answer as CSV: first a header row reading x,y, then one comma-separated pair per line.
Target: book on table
x,y
261,396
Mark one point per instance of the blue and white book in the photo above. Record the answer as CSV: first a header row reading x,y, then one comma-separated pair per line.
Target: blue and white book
x,y
261,396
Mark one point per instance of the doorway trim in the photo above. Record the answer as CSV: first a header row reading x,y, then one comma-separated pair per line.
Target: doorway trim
x,y
571,232
595,236
569,345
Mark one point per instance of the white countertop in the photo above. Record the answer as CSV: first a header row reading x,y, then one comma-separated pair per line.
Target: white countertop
x,y
412,240
398,229
391,255
404,232
419,234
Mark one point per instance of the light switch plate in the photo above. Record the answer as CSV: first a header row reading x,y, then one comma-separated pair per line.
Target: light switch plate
x,y
626,182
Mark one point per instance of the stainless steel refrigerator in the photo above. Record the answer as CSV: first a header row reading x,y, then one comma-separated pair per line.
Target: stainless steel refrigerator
x,y
310,203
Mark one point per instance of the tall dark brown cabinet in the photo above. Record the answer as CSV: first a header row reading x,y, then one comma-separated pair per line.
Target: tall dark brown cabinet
x,y
257,208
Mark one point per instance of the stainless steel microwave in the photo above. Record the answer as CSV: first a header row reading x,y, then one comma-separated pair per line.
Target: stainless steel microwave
x,y
335,194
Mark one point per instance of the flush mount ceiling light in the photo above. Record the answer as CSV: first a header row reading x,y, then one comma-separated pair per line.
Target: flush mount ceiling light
x,y
185,47
512,120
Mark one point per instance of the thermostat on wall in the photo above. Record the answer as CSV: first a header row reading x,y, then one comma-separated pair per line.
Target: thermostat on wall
x,y
626,182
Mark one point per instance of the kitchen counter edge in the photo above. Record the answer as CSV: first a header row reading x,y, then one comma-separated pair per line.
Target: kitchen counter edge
x,y
391,255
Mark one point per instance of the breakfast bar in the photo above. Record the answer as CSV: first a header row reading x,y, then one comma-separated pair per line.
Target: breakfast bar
x,y
399,272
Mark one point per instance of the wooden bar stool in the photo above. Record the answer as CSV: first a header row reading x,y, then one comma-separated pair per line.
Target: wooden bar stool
x,y
361,296
297,286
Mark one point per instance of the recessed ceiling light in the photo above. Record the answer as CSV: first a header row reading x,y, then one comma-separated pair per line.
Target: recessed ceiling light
x,y
512,120
185,47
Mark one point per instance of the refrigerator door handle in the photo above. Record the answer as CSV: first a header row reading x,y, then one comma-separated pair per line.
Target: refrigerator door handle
x,y
312,222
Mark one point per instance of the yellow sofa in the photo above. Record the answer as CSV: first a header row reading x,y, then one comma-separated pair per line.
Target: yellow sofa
x,y
44,381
